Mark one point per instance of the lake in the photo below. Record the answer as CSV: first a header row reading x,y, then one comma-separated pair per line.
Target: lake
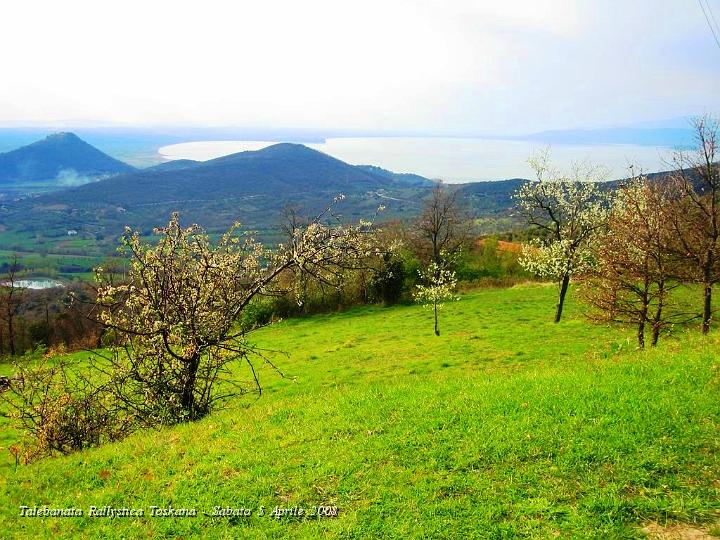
x,y
36,283
450,159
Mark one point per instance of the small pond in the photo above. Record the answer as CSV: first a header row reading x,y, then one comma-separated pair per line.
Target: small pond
x,y
36,283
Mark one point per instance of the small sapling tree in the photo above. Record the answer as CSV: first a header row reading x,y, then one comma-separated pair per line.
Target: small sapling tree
x,y
60,408
437,286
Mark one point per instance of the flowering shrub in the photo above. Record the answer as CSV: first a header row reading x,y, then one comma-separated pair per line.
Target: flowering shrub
x,y
178,317
60,411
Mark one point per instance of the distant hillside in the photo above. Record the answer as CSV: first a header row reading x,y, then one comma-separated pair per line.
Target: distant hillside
x,y
174,165
279,171
62,158
490,198
251,186
404,178
407,178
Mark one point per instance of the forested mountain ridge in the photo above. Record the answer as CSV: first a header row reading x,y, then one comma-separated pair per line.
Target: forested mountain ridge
x,y
62,157
252,187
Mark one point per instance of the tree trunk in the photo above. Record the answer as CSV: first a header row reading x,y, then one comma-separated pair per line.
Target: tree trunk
x,y
707,307
657,321
303,281
98,340
643,317
437,328
188,395
655,334
561,300
11,334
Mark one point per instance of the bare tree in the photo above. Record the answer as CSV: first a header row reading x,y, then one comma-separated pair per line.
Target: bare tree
x,y
632,277
12,299
292,223
697,219
442,227
2,333
439,235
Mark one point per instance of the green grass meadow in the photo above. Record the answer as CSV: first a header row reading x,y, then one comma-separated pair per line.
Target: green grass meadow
x,y
505,426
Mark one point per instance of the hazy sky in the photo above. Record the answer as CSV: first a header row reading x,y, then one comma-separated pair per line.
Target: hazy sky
x,y
452,66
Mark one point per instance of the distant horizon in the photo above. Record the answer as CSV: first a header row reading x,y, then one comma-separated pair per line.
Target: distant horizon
x,y
676,122
453,160
473,156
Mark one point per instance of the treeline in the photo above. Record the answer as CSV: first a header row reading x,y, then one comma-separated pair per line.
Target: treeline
x,y
61,319
443,230
55,318
484,262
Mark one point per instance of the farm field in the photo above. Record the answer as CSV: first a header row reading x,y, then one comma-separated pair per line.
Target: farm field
x,y
72,258
505,426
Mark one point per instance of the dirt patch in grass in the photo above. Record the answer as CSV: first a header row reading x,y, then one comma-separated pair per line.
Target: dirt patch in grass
x,y
677,531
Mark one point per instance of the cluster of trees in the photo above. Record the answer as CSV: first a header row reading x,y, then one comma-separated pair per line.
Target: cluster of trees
x,y
175,321
418,260
175,324
441,237
635,247
44,318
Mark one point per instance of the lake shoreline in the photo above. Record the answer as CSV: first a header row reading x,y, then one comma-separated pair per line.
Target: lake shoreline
x,y
452,159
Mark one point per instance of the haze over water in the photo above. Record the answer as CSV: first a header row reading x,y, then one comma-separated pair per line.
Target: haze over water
x,y
450,159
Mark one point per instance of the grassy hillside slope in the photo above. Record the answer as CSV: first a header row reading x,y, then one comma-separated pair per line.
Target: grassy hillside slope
x,y
505,426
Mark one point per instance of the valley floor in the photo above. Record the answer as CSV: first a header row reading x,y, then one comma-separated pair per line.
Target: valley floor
x,y
505,426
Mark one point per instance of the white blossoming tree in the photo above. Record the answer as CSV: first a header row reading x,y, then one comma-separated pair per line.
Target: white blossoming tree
x,y
175,317
566,210
438,286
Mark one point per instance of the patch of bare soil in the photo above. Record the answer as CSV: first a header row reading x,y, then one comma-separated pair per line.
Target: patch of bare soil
x,y
677,531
